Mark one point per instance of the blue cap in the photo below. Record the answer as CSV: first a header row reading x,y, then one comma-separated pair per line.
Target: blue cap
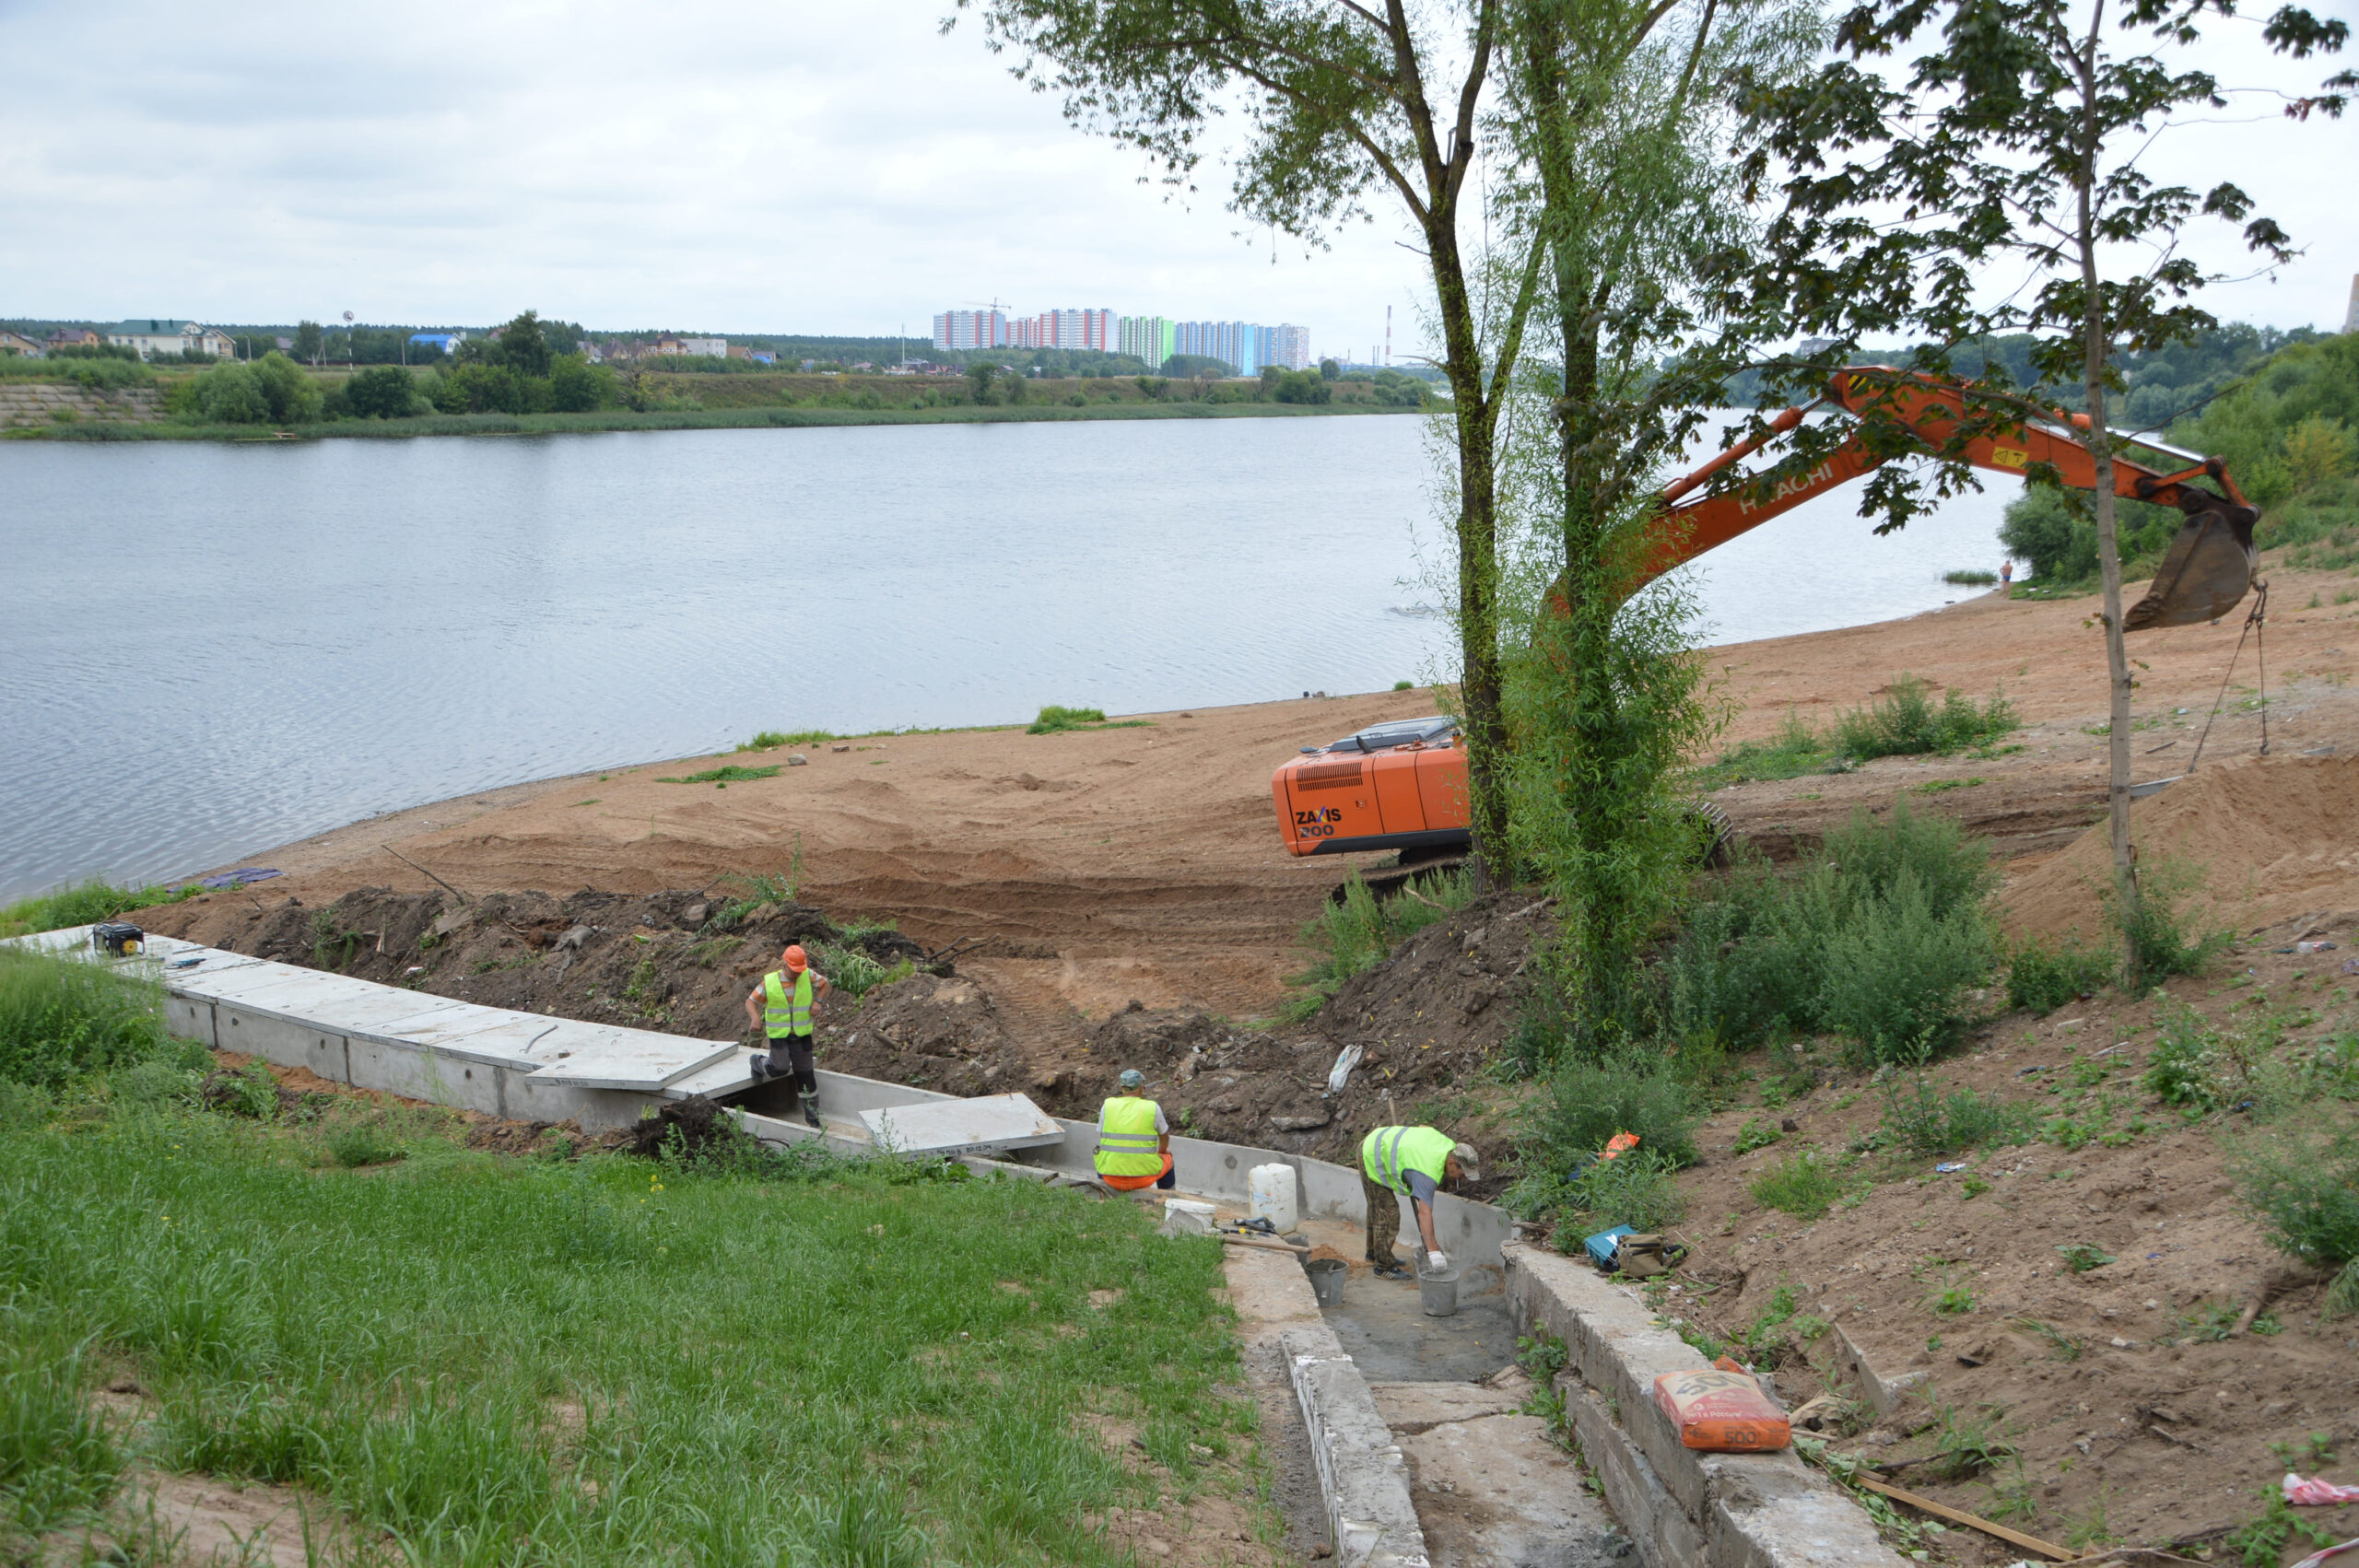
x,y
1132,1078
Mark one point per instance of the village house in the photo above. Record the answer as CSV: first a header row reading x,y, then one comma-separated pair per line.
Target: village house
x,y
152,335
73,337
21,346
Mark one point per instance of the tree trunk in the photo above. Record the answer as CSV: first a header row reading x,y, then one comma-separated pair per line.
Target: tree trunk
x,y
2095,348
1478,557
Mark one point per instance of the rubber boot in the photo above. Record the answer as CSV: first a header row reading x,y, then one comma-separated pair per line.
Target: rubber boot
x,y
811,1107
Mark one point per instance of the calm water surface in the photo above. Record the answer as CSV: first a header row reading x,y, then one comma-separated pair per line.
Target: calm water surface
x,y
208,649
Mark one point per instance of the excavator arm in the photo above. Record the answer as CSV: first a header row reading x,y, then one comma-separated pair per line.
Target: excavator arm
x,y
2210,565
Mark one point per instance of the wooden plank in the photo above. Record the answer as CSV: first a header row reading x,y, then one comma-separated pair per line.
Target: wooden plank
x,y
1960,1516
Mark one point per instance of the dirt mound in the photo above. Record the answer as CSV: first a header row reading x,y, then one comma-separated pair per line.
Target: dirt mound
x,y
653,961
2273,836
937,1032
691,1126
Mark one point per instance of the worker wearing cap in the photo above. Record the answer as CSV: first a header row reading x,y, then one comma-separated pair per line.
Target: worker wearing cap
x,y
1411,1162
784,1007
1134,1140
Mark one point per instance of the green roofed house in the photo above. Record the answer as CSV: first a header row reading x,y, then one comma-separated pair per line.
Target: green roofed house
x,y
152,335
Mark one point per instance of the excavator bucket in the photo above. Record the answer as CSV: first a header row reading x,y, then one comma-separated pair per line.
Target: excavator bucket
x,y
2207,573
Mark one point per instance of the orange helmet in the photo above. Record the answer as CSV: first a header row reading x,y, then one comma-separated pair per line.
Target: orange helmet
x,y
795,960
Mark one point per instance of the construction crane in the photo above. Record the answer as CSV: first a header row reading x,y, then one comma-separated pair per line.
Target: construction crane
x,y
1401,785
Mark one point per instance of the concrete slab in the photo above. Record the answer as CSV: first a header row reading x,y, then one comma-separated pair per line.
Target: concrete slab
x,y
1497,1490
961,1126
1412,1407
496,1036
596,1057
730,1075
1362,1473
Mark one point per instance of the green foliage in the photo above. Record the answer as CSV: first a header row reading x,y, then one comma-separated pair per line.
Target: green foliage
x,y
271,390
1190,366
1965,1445
2153,929
1359,930
1923,1120
729,772
1906,723
2301,1177
1759,1132
1971,578
62,1020
1056,717
1303,386
1878,935
2044,979
1796,749
2061,1345
361,1142
2080,1256
1802,1185
383,391
576,386
1587,1101
85,904
2055,532
2262,1542
2189,1066
771,740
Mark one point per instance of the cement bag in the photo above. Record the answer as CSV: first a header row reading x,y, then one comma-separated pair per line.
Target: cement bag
x,y
1722,1410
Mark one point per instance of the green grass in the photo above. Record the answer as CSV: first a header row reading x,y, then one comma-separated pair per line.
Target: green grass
x,y
1923,1120
2080,1256
484,1360
1802,1185
730,774
85,904
1360,931
2044,979
1757,1133
771,740
1796,749
62,1020
1056,719
1971,577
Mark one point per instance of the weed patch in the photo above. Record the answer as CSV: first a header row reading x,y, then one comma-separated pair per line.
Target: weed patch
x,y
731,773
771,740
85,905
1907,723
1802,1185
62,1019
1055,720
2044,979
1923,1120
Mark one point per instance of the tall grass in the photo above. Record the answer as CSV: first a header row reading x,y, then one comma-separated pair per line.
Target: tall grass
x,y
1359,930
1878,936
84,904
488,1360
61,1020
1908,722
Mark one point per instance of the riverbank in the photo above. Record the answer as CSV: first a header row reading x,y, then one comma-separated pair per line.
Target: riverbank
x,y
1141,863
610,419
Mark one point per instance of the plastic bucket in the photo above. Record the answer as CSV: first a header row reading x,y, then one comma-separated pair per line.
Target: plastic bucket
x,y
1327,1280
1438,1293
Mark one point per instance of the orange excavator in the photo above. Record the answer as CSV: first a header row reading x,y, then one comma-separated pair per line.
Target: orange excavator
x,y
1401,785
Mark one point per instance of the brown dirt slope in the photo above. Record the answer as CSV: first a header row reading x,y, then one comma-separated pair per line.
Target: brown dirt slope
x,y
2135,1411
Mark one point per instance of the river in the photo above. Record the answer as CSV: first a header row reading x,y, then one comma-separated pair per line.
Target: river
x,y
206,649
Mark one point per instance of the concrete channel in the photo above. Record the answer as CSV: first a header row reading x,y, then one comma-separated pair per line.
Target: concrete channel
x,y
1412,1426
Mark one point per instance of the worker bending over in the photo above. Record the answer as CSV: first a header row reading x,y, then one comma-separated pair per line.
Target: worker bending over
x,y
1414,1162
785,1008
1134,1140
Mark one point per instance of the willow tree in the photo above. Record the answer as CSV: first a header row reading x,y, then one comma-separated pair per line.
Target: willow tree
x,y
1341,106
2017,145
1614,113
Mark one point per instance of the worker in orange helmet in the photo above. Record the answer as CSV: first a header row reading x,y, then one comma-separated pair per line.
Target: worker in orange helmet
x,y
784,1007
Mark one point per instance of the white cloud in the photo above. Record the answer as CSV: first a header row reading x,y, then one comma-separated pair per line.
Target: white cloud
x,y
710,164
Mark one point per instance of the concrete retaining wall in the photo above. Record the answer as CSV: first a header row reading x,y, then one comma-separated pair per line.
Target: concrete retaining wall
x,y
1682,1506
1364,1481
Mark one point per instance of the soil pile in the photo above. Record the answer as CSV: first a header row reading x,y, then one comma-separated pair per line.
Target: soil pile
x,y
652,962
2274,837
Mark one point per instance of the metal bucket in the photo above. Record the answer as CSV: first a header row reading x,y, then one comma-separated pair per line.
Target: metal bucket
x,y
1438,1293
1327,1279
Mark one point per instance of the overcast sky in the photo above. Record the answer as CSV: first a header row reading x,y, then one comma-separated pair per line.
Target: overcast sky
x,y
720,164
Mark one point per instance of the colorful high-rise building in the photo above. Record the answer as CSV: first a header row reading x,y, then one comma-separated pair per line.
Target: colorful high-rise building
x,y
970,329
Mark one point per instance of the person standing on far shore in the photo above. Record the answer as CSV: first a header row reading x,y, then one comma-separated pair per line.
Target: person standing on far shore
x,y
2006,580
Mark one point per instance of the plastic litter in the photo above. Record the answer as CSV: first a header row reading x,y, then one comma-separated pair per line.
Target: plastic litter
x,y
2314,1559
2315,1493
1721,1410
1341,1073
2309,947
237,878
1948,1165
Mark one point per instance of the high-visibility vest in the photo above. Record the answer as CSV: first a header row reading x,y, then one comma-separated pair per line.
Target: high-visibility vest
x,y
1128,1145
1390,1152
784,1014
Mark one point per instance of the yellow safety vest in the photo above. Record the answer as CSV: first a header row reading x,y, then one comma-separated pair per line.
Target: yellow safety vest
x,y
783,1015
1389,1152
1128,1145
